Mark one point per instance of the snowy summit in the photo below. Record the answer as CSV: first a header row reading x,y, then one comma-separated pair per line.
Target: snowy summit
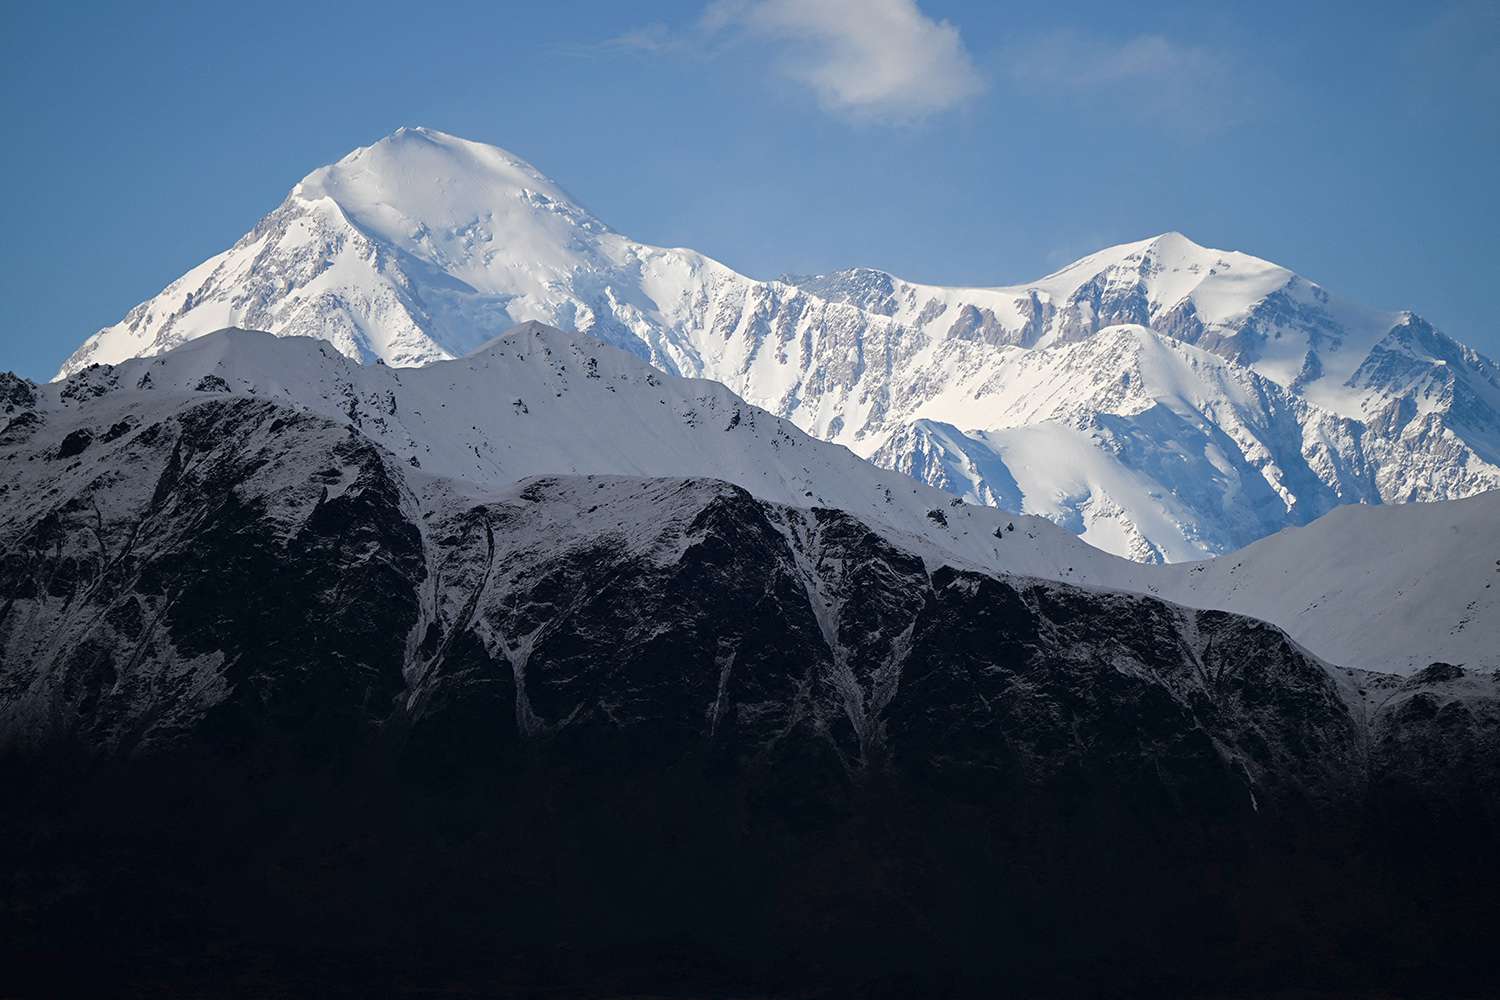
x,y
1164,400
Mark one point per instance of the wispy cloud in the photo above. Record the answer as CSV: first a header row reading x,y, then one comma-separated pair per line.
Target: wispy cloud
x,y
652,38
1179,87
880,60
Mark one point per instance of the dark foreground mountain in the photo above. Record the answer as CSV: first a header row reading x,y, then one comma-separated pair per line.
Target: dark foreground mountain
x,y
282,712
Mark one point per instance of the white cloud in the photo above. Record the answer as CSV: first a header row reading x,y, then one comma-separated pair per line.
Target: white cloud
x,y
651,38
878,58
1179,87
872,59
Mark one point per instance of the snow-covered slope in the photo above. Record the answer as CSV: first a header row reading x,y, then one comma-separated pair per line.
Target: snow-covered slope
x,y
540,401
1146,446
1385,588
1166,400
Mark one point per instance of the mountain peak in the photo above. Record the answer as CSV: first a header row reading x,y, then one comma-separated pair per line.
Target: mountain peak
x,y
422,172
1173,241
532,331
1188,439
410,138
422,131
1172,266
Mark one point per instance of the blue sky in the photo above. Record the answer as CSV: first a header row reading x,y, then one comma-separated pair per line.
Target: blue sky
x,y
963,143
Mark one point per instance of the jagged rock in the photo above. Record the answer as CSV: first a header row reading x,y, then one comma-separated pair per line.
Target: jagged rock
x,y
16,393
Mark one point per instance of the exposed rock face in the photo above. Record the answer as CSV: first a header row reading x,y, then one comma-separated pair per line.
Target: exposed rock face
x,y
283,695
685,609
16,394
1439,724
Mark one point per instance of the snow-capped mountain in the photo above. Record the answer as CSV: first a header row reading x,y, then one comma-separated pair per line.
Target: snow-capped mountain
x,y
294,649
539,401
1164,400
